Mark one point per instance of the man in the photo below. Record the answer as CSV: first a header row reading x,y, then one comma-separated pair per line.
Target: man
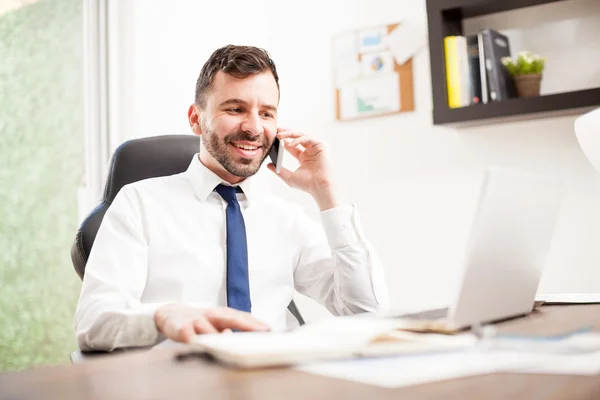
x,y
208,250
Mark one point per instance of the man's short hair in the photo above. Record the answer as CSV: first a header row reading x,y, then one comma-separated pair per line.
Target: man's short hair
x,y
237,61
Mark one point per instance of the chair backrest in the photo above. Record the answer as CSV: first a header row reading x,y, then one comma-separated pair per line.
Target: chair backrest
x,y
133,161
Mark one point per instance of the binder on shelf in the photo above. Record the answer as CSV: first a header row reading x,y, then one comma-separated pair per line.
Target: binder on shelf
x,y
485,91
475,83
499,83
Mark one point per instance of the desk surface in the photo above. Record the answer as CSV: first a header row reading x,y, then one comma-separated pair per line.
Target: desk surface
x,y
156,374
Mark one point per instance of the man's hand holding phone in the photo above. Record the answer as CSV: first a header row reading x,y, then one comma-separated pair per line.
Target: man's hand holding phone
x,y
315,173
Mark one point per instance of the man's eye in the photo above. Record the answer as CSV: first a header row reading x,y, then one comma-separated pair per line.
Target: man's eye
x,y
235,110
267,115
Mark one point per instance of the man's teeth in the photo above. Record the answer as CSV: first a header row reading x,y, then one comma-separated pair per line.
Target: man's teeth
x,y
243,146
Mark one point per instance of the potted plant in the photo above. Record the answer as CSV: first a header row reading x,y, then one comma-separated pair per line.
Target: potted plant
x,y
526,72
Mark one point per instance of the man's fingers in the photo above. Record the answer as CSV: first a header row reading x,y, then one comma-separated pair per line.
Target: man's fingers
x,y
289,134
305,141
202,325
285,174
182,324
298,138
294,151
250,318
184,333
238,321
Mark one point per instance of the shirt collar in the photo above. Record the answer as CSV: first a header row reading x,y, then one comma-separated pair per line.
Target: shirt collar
x,y
204,181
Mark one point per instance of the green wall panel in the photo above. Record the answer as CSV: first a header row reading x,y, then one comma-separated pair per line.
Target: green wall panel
x,y
41,150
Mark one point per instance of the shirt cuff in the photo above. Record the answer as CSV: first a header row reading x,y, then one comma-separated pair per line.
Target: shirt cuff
x,y
141,322
339,225
144,326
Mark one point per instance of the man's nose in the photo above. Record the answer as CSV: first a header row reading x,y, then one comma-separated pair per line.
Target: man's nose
x,y
253,125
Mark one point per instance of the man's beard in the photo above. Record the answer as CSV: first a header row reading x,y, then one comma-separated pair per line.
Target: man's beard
x,y
240,167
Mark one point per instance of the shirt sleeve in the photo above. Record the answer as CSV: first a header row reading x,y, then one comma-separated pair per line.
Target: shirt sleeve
x,y
109,313
337,266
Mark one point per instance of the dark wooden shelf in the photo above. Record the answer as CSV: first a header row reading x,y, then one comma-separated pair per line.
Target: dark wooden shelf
x,y
520,108
476,8
445,18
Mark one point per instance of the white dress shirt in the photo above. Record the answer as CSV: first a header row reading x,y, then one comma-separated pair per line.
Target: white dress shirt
x,y
163,240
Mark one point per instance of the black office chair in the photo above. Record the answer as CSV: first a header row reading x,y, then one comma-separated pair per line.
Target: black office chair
x,y
133,161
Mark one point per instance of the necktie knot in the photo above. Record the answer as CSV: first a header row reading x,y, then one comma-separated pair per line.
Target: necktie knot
x,y
228,193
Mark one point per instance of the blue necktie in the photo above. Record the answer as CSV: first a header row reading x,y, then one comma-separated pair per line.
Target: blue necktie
x,y
238,286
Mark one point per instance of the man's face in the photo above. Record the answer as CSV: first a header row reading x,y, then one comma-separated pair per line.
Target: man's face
x,y
238,124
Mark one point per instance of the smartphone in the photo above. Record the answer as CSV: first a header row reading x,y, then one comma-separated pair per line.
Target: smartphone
x,y
276,154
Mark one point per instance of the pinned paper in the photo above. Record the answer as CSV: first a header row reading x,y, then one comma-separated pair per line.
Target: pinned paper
x,y
406,40
347,73
372,96
371,40
345,48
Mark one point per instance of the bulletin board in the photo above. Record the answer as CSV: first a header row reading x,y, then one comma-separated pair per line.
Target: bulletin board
x,y
369,80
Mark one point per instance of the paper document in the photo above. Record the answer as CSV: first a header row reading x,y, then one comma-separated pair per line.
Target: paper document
x,y
372,96
570,354
569,298
339,338
372,39
406,40
347,73
579,364
345,48
402,371
579,342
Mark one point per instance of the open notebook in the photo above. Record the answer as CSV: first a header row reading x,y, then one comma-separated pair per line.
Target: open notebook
x,y
337,338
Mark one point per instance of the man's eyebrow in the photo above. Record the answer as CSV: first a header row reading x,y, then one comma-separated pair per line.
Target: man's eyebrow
x,y
270,107
232,101
243,103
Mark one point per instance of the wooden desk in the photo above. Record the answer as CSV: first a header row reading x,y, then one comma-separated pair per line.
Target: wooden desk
x,y
156,375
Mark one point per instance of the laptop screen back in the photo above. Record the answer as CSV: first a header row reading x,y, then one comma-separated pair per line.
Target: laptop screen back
x,y
509,242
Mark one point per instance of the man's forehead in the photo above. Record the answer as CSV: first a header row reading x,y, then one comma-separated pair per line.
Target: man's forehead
x,y
256,87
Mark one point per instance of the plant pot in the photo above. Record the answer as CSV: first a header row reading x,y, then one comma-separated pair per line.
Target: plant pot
x,y
528,85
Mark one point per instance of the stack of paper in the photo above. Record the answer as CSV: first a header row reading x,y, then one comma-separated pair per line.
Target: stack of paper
x,y
375,351
339,338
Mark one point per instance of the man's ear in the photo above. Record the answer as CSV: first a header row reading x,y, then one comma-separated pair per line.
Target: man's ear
x,y
195,119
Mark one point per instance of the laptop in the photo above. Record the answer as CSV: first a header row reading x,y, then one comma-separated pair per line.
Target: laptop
x,y
509,242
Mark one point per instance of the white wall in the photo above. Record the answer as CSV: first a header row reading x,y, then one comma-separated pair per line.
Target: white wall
x,y
426,175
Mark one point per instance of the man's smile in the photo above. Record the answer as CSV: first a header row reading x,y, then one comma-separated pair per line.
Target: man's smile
x,y
247,149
